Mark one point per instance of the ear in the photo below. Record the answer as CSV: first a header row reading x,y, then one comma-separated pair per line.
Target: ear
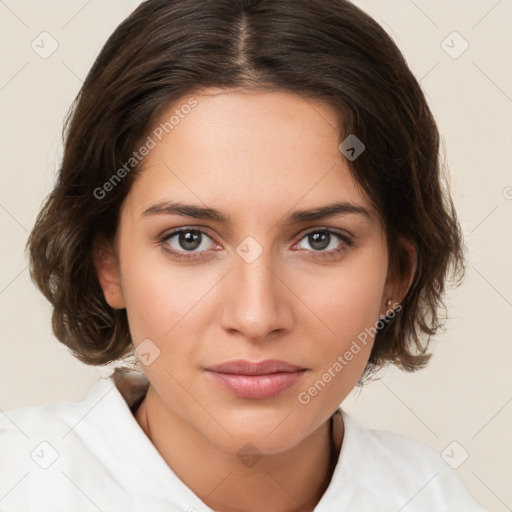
x,y
107,268
397,288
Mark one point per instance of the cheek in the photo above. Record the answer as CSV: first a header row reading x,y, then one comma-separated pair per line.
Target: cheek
x,y
348,304
340,355
163,298
156,300
163,301
349,300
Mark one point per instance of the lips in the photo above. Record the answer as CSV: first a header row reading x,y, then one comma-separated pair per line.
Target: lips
x,y
255,380
241,367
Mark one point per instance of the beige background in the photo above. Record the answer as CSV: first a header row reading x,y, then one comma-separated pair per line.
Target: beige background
x,y
466,393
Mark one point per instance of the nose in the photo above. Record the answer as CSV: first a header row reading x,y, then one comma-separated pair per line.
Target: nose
x,y
257,303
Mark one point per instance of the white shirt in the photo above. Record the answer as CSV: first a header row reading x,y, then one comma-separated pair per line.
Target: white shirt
x,y
93,456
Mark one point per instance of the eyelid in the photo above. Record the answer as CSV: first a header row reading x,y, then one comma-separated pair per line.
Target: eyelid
x,y
331,229
175,231
205,230
346,243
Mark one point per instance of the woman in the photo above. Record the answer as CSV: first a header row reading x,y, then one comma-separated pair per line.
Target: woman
x,y
250,202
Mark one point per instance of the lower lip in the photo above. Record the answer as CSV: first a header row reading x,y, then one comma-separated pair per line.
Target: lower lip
x,y
256,386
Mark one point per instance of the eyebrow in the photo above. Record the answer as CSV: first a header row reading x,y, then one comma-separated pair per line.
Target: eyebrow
x,y
201,212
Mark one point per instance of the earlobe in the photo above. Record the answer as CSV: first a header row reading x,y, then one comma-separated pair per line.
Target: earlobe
x,y
107,269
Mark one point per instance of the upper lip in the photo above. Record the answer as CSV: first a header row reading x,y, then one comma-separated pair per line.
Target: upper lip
x,y
243,367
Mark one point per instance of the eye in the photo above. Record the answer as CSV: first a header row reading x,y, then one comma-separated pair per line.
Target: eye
x,y
191,243
326,242
186,242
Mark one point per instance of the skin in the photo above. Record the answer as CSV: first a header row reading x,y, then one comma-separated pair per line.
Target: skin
x,y
255,157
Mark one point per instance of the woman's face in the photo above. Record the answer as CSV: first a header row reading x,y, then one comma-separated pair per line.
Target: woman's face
x,y
257,273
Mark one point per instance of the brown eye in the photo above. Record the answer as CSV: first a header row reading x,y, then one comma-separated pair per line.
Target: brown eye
x,y
185,242
189,240
325,242
320,240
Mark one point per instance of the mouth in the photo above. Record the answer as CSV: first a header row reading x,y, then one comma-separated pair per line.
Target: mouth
x,y
256,380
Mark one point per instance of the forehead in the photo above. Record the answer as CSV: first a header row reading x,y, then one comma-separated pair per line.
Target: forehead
x,y
249,150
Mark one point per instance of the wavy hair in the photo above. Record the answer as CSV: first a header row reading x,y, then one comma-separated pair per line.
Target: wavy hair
x,y
322,49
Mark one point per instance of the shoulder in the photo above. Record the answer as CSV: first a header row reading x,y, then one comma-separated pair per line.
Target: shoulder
x,y
64,424
393,471
47,451
25,432
25,425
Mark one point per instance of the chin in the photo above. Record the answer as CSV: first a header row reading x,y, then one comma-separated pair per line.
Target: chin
x,y
270,430
252,443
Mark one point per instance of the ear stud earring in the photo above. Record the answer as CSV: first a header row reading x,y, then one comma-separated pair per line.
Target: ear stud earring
x,y
388,302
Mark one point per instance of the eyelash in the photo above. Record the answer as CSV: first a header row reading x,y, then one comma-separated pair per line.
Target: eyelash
x,y
346,244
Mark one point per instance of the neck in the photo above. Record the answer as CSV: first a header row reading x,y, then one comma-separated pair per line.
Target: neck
x,y
290,481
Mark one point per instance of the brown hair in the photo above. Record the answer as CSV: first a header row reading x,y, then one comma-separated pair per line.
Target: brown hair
x,y
324,49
